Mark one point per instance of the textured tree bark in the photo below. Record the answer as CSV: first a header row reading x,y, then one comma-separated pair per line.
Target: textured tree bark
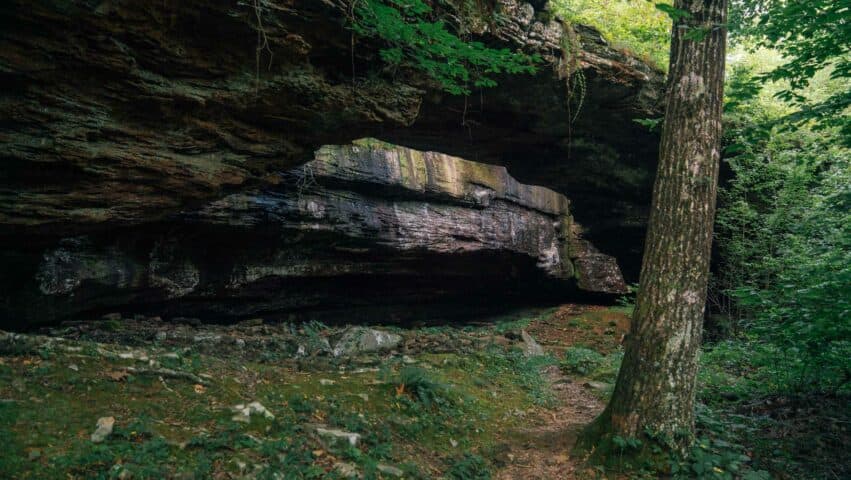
x,y
655,390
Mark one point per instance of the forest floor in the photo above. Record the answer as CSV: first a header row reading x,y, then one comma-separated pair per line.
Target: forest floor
x,y
279,401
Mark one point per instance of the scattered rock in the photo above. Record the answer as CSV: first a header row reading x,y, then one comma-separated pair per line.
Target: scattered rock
x,y
453,442
160,336
240,343
531,348
207,337
74,367
363,397
314,347
104,429
408,360
244,412
334,435
347,470
326,382
390,470
596,385
356,340
111,316
364,370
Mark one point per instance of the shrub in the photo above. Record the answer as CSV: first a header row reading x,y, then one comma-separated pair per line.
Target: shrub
x,y
581,360
469,467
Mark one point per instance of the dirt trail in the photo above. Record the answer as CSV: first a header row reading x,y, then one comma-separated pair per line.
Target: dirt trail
x,y
543,450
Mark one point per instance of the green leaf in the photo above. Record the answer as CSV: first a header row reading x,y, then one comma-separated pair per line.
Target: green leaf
x,y
675,13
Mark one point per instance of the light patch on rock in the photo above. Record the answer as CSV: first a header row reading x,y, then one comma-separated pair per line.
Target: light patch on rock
x,y
244,412
104,429
177,276
531,348
357,340
64,269
334,435
390,470
347,470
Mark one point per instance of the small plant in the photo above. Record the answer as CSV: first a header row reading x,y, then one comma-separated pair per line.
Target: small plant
x,y
469,467
523,371
714,455
628,299
419,384
625,444
581,361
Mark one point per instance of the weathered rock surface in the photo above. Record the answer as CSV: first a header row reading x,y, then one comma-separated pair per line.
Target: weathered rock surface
x,y
148,151
363,229
357,340
122,113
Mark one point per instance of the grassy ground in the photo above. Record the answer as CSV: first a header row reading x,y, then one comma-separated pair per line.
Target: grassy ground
x,y
446,410
455,403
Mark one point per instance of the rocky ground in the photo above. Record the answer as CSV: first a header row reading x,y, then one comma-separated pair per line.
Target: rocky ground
x,y
142,398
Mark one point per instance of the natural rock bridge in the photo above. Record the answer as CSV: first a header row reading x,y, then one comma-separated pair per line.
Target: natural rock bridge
x,y
148,163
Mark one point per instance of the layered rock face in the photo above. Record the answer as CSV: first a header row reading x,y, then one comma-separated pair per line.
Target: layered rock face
x,y
142,144
361,229
117,113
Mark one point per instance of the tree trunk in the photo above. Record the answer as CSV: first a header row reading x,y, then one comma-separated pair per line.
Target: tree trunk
x,y
655,391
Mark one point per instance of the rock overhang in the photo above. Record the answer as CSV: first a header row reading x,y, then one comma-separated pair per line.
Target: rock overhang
x,y
117,116
418,227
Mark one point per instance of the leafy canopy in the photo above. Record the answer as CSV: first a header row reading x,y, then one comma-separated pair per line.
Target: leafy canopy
x,y
638,26
813,35
418,36
784,226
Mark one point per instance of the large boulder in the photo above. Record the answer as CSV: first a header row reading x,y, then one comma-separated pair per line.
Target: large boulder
x,y
359,340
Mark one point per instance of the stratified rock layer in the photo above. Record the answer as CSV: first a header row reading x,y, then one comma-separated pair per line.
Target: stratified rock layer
x,y
361,229
121,113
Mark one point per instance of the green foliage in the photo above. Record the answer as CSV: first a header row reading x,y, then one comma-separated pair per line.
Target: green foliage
x,y
784,236
714,455
418,36
637,26
10,463
525,371
423,387
813,36
627,300
469,467
580,360
652,124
